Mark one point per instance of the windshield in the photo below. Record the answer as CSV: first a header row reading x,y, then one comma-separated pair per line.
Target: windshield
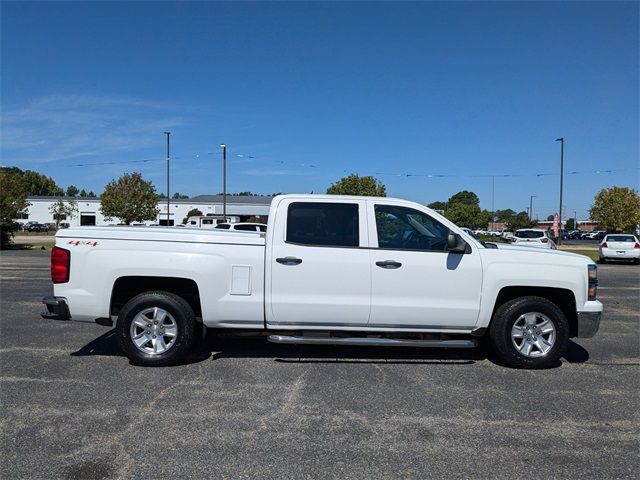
x,y
620,238
529,234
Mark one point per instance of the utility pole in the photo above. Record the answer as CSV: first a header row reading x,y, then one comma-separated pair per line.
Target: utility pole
x,y
531,206
575,220
224,181
561,140
493,190
168,196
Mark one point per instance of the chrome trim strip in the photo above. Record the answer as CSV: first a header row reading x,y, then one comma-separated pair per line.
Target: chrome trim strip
x,y
365,341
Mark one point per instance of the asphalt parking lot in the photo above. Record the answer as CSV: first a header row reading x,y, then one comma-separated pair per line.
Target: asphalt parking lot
x,y
73,407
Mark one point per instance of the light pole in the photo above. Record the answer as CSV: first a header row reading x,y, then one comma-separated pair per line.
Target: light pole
x,y
561,140
168,196
224,181
531,206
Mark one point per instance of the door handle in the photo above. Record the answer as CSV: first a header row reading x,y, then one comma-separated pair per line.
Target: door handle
x,y
289,260
389,264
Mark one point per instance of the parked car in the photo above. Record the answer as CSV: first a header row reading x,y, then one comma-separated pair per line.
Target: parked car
x,y
534,237
330,269
64,225
37,227
620,247
243,227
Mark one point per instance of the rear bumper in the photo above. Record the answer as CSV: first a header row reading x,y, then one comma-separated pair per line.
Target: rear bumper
x,y
57,309
588,324
629,254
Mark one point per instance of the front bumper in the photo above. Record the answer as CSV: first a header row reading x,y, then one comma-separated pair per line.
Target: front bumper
x,y
57,309
588,324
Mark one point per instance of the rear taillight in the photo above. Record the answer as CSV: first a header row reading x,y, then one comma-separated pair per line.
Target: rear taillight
x,y
604,245
544,240
637,245
60,262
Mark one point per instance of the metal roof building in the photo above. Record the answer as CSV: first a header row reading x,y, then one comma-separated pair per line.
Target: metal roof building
x,y
89,209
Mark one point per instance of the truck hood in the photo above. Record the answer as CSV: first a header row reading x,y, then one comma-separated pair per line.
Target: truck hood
x,y
542,255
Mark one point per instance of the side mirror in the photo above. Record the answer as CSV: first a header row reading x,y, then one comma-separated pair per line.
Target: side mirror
x,y
456,244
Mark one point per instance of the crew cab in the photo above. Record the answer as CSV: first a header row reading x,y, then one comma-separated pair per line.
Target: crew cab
x,y
329,269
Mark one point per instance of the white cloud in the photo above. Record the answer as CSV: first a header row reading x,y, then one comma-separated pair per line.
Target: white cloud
x,y
61,127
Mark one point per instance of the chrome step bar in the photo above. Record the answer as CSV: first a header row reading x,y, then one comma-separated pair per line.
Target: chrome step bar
x,y
372,342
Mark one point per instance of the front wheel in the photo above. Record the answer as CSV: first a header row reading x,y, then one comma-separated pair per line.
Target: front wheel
x,y
529,332
156,329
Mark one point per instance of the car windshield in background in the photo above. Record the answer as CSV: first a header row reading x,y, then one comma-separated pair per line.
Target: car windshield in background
x,y
620,238
529,234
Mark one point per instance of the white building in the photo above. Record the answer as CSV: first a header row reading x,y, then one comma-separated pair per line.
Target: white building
x,y
89,209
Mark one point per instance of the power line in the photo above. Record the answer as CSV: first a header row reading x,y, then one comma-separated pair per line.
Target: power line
x,y
503,175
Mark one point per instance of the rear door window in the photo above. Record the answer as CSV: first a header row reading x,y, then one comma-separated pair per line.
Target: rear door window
x,y
323,224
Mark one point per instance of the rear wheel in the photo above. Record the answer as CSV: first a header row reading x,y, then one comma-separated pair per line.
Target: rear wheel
x,y
529,332
156,329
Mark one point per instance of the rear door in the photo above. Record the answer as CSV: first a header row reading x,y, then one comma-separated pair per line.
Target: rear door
x,y
318,271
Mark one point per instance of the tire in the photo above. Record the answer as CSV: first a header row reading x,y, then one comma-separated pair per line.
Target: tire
x,y
163,324
515,318
603,260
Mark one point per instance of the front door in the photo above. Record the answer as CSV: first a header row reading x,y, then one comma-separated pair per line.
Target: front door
x,y
416,282
318,271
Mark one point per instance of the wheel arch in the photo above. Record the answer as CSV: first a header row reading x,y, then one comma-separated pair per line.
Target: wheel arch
x,y
562,297
127,287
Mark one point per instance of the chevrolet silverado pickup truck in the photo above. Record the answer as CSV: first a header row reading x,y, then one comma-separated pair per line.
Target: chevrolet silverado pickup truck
x,y
337,270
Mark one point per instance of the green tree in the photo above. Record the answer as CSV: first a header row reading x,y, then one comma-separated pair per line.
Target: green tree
x,y
91,194
194,212
38,184
465,197
520,220
72,191
465,215
130,198
13,202
438,206
62,209
550,218
179,195
504,215
616,208
83,193
357,185
569,225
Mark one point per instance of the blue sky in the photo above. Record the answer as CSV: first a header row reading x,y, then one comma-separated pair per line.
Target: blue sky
x,y
307,92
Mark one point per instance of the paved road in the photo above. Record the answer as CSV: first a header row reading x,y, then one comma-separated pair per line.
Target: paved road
x,y
72,407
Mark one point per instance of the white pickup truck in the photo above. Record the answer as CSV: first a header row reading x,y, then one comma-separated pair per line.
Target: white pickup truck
x,y
329,270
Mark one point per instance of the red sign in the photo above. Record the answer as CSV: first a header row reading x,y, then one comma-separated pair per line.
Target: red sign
x,y
556,225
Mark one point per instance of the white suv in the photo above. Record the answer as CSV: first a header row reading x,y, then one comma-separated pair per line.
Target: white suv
x,y
533,237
